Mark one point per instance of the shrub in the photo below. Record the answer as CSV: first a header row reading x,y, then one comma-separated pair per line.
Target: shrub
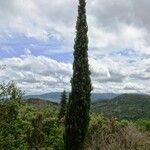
x,y
143,124
105,134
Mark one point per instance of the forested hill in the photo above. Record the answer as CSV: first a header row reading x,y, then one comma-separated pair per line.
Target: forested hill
x,y
37,101
126,106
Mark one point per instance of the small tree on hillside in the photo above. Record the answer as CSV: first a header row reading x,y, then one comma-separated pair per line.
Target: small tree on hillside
x,y
63,105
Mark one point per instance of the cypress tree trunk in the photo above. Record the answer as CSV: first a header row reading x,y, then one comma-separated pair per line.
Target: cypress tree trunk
x,y
77,118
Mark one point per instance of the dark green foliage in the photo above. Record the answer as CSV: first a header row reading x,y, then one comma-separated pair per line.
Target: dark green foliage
x,y
126,106
27,124
63,105
143,124
33,125
45,114
10,124
77,118
13,129
36,136
53,134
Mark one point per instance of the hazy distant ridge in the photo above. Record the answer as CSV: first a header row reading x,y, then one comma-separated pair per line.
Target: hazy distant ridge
x,y
55,96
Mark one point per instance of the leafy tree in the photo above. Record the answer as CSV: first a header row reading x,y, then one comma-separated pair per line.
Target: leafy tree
x,y
63,104
10,124
9,91
77,118
10,95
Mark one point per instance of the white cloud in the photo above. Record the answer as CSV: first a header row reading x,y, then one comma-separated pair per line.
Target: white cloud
x,y
107,70
113,24
133,86
36,71
36,18
42,74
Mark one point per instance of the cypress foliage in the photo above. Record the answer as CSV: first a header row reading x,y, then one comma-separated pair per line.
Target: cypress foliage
x,y
77,118
63,104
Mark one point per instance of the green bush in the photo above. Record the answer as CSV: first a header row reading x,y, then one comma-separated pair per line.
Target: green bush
x,y
143,124
13,129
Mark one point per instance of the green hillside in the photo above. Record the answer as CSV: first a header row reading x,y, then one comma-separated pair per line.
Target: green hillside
x,y
40,102
126,106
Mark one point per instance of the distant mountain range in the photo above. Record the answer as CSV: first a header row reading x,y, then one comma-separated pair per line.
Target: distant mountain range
x,y
125,106
55,96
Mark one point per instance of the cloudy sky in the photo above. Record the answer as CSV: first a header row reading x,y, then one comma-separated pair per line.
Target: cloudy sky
x,y
36,44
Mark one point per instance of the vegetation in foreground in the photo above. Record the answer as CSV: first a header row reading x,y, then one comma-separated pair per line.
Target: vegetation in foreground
x,y
33,124
29,125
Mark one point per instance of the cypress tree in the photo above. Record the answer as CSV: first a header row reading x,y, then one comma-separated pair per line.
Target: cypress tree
x,y
77,117
63,105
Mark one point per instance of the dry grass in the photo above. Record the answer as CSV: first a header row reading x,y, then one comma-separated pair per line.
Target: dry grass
x,y
111,136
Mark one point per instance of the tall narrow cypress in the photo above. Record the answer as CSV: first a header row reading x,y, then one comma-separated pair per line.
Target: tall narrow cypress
x,y
77,117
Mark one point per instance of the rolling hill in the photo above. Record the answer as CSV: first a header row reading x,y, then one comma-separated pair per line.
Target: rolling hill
x,y
37,101
125,106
